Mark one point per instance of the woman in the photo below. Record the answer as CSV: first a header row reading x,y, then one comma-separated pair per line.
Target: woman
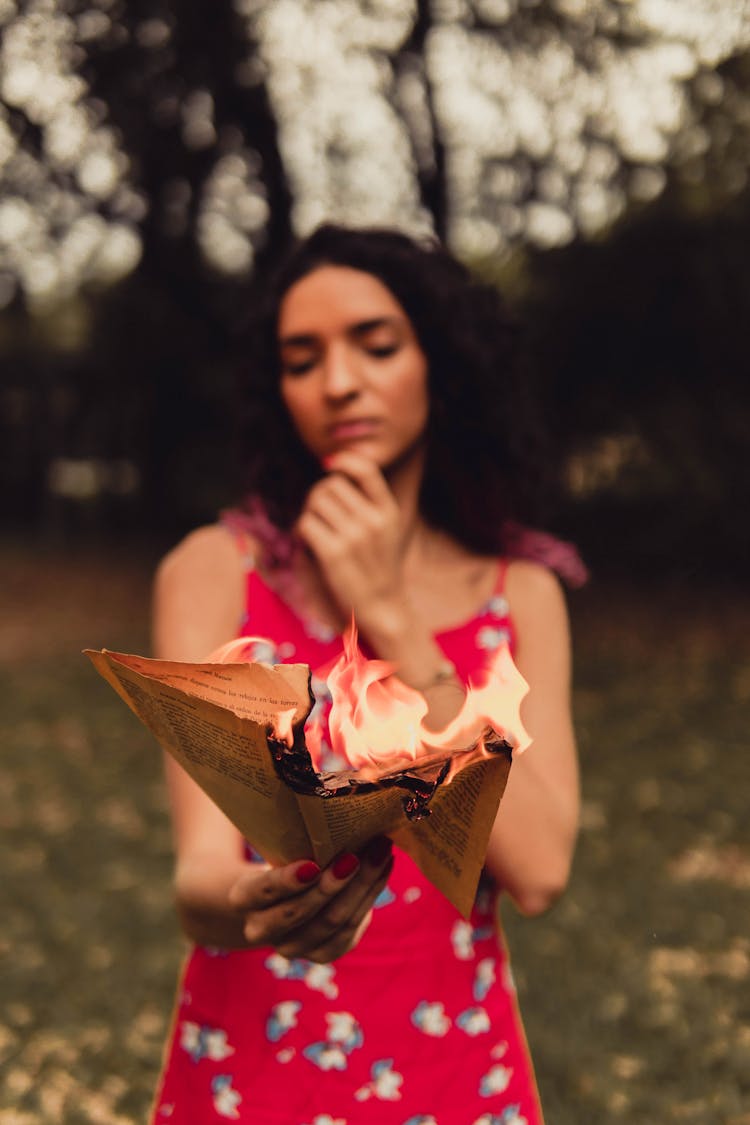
x,y
388,463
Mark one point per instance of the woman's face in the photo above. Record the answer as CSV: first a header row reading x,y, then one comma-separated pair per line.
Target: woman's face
x,y
353,375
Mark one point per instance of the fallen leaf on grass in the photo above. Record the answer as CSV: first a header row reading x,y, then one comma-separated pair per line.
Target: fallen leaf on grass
x,y
706,861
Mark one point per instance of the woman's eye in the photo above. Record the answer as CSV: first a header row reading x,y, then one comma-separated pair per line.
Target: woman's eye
x,y
382,351
298,367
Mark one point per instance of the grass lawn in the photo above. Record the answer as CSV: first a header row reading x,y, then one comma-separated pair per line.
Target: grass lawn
x,y
635,987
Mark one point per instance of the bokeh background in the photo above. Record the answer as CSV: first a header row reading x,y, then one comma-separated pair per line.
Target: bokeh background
x,y
592,159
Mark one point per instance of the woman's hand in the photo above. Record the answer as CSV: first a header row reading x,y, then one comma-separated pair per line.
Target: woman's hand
x,y
352,524
304,912
354,527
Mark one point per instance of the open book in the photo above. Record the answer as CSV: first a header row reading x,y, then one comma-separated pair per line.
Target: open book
x,y
217,720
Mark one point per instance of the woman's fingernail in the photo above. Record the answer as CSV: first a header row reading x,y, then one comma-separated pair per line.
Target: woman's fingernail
x,y
307,872
344,865
378,850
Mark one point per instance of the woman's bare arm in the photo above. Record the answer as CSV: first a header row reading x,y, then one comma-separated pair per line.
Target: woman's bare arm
x,y
532,842
222,899
197,604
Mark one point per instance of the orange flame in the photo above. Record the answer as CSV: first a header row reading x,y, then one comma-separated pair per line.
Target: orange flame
x,y
376,720
374,717
233,652
237,652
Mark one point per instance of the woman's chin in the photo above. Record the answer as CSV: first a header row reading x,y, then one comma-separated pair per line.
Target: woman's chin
x,y
366,447
388,459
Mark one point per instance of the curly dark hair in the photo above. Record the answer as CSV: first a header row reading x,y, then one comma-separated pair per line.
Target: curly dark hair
x,y
483,451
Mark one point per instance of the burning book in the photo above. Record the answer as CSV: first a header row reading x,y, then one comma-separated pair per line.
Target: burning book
x,y
238,728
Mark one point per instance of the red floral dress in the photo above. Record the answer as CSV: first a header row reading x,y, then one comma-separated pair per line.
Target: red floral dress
x,y
416,1026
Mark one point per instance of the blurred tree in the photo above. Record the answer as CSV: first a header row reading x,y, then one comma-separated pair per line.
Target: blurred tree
x,y
169,149
640,345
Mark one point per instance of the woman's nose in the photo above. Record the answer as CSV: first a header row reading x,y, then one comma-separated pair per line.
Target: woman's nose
x,y
340,376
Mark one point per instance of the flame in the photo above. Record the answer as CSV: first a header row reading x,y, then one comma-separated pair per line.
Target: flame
x,y
496,703
374,717
376,720
282,726
238,651
233,652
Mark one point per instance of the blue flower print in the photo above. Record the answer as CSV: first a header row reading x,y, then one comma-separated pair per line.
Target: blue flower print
x,y
281,1019
385,1083
490,637
344,1029
431,1019
497,606
484,978
495,1081
261,650
463,936
511,1115
320,632
344,1035
385,898
319,978
203,1042
473,1021
326,1056
326,1119
225,1098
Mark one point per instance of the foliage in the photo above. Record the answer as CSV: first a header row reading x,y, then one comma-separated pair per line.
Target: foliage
x,y
634,987
155,155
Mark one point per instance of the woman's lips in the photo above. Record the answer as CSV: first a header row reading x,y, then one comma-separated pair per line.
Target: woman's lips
x,y
351,430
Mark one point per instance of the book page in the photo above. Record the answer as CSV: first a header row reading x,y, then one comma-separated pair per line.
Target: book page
x,y
226,753
253,691
346,823
450,845
213,719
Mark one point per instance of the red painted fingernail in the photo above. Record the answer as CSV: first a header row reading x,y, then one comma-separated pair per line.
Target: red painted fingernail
x,y
344,865
378,850
307,872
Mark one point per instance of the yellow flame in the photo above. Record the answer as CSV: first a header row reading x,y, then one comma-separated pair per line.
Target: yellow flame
x,y
376,720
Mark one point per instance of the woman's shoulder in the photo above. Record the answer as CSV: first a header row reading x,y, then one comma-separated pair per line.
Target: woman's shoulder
x,y
533,590
532,577
214,548
199,594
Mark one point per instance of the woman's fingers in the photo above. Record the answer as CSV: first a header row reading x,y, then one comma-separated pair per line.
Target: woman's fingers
x,y
324,941
340,519
261,885
338,494
299,909
337,927
339,503
364,472
279,901
327,508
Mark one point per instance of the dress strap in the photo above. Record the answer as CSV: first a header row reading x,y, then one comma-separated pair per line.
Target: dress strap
x,y
502,571
242,539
